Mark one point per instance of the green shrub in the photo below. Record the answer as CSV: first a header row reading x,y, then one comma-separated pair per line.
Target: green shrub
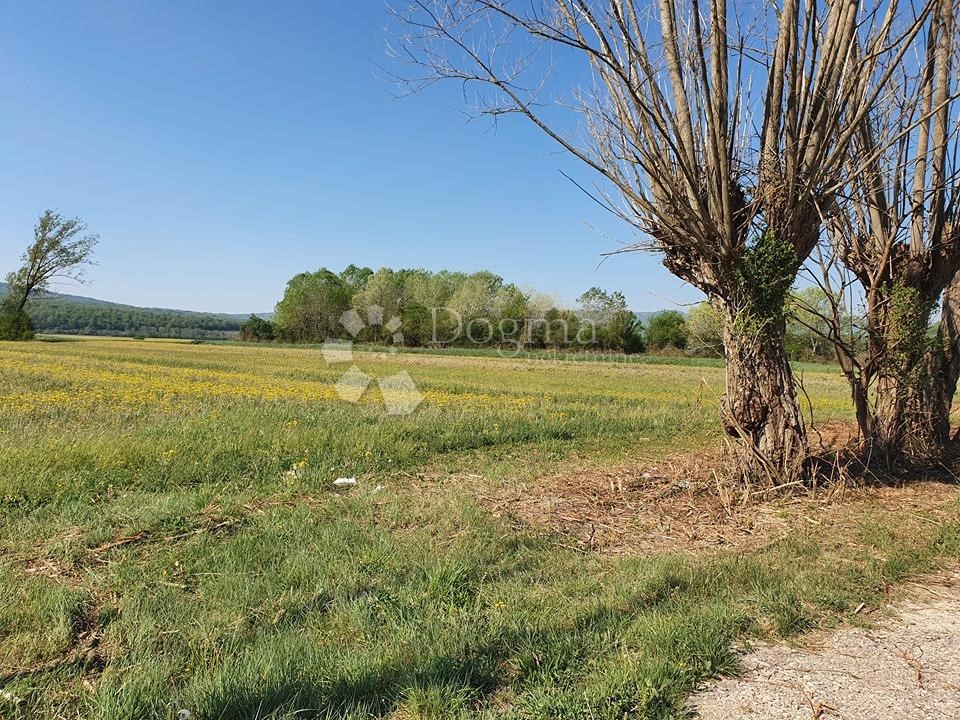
x,y
256,329
15,325
667,329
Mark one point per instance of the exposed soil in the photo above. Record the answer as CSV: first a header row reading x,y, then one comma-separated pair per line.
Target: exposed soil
x,y
679,503
907,668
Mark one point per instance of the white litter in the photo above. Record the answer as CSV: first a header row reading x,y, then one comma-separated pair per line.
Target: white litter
x,y
345,481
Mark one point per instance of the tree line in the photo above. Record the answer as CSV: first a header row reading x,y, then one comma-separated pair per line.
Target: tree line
x,y
419,308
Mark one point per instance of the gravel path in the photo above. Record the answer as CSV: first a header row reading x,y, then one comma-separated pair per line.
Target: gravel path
x,y
906,668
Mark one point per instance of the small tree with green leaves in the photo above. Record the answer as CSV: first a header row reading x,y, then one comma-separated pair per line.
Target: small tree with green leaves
x,y
667,329
60,251
14,324
256,329
624,332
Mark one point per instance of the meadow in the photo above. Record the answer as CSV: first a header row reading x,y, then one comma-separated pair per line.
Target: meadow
x,y
172,544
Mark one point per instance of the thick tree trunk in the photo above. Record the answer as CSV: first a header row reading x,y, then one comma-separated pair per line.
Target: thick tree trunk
x,y
915,390
917,379
948,365
760,405
890,436
929,402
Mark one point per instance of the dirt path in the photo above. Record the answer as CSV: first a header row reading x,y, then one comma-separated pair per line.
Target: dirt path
x,y
907,667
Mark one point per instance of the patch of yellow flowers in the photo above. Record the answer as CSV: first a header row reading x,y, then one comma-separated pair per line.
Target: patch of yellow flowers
x,y
32,382
79,386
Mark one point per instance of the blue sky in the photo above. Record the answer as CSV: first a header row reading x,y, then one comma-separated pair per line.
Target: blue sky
x,y
219,148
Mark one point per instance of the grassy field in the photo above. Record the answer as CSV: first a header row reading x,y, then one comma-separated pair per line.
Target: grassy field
x,y
172,545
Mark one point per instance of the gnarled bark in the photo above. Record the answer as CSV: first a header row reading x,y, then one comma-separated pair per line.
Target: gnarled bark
x,y
761,405
915,388
901,318
928,402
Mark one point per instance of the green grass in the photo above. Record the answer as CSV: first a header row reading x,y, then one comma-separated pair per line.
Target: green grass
x,y
166,550
509,353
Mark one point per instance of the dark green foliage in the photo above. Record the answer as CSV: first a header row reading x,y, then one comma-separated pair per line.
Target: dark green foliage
x,y
561,329
312,305
599,306
909,326
705,330
624,333
667,329
355,277
417,325
616,328
73,317
14,324
765,275
256,329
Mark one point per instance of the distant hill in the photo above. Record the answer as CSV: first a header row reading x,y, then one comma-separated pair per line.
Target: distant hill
x,y
60,313
65,314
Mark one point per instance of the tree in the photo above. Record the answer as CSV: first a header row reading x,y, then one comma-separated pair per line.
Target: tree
x,y
513,306
355,277
598,306
807,329
624,332
416,325
562,329
667,328
15,324
312,306
730,191
479,301
60,251
384,290
705,331
538,305
616,327
256,329
897,231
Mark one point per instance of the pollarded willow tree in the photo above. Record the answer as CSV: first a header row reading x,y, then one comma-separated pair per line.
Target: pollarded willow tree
x,y
897,231
719,131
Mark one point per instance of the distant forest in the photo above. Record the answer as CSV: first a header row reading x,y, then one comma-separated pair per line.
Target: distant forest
x,y
418,308
75,315
311,309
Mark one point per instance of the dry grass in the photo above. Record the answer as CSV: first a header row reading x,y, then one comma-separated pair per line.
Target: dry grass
x,y
678,503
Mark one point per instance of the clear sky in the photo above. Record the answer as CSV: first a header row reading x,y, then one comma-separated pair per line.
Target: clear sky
x,y
218,148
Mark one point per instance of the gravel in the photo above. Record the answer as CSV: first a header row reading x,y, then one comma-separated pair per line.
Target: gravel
x,y
907,667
